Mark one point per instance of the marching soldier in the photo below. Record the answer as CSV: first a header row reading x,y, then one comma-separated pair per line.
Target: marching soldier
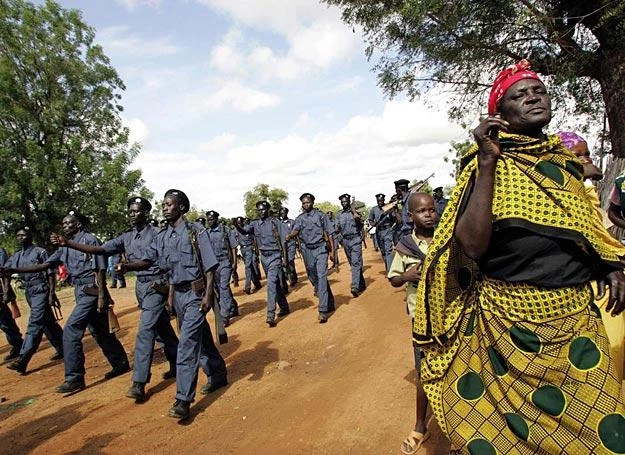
x,y
383,224
219,236
87,273
248,251
7,323
39,290
314,230
440,202
349,224
154,319
270,238
184,250
291,246
404,223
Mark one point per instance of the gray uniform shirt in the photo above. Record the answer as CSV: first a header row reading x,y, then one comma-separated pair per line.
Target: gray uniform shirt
x,y
79,265
311,227
133,244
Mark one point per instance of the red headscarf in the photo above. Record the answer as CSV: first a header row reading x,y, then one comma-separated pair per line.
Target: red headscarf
x,y
506,79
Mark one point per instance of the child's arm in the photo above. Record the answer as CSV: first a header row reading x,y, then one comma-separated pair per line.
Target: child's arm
x,y
413,274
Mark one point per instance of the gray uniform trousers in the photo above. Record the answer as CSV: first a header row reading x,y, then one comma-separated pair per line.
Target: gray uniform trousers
x,y
9,327
222,280
316,262
251,267
196,347
272,263
385,243
86,315
353,251
153,321
41,321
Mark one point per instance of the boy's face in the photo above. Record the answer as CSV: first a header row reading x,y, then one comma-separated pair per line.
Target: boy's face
x,y
422,213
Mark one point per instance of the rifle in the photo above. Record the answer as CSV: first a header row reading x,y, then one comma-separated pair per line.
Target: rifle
x,y
219,323
411,189
335,257
94,291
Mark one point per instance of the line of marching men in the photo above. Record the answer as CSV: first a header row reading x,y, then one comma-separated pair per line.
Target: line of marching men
x,y
182,270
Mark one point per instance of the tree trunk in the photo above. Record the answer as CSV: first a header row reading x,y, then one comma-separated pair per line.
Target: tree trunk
x,y
612,80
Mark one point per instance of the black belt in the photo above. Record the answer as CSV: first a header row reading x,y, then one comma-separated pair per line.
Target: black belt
x,y
350,236
314,245
268,252
185,286
87,280
149,278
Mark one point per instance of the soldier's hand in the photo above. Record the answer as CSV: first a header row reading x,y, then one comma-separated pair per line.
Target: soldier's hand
x,y
616,282
121,268
206,304
57,239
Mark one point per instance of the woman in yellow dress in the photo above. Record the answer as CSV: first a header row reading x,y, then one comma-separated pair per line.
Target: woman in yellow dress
x,y
515,356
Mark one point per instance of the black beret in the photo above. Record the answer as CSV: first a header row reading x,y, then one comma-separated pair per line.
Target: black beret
x,y
308,195
240,219
438,188
79,216
263,205
201,220
153,222
380,195
163,222
26,229
143,203
284,209
344,196
212,214
402,182
184,200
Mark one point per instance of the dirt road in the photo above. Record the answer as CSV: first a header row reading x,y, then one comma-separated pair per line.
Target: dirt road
x,y
299,388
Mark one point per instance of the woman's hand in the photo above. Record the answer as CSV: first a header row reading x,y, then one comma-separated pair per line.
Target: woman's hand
x,y
616,282
486,136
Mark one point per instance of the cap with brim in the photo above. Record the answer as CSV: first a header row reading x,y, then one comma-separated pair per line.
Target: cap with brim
x,y
344,196
143,203
438,188
380,195
212,214
306,195
402,182
184,200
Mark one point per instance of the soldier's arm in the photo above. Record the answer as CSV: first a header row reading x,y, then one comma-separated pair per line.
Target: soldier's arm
x,y
59,240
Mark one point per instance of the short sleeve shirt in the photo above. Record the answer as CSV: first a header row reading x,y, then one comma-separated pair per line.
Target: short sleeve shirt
x,y
30,256
401,263
312,225
133,244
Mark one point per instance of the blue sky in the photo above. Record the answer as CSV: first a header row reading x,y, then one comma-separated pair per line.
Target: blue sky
x,y
225,94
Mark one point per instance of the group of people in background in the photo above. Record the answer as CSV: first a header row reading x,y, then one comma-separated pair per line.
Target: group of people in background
x,y
183,269
505,284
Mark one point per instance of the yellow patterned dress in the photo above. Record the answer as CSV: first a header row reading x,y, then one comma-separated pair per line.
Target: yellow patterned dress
x,y
512,368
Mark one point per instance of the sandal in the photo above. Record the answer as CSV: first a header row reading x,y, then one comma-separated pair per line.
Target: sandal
x,y
413,443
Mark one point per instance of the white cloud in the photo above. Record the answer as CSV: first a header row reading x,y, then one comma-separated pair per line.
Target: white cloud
x,y
365,156
120,41
304,121
235,96
139,132
218,143
315,35
132,5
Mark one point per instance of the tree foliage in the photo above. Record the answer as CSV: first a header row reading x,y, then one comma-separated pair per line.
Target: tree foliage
x,y
62,143
455,153
262,192
326,206
460,45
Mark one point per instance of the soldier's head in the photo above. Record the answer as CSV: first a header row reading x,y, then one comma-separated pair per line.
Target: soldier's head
x,y
330,214
212,218
345,200
163,223
379,198
73,222
201,220
138,210
308,202
422,212
24,236
175,204
262,209
153,222
401,187
284,213
438,192
239,221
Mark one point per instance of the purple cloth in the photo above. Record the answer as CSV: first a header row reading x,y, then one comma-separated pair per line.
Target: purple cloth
x,y
570,139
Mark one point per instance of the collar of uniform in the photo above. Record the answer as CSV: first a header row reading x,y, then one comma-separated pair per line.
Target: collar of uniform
x,y
78,237
177,229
